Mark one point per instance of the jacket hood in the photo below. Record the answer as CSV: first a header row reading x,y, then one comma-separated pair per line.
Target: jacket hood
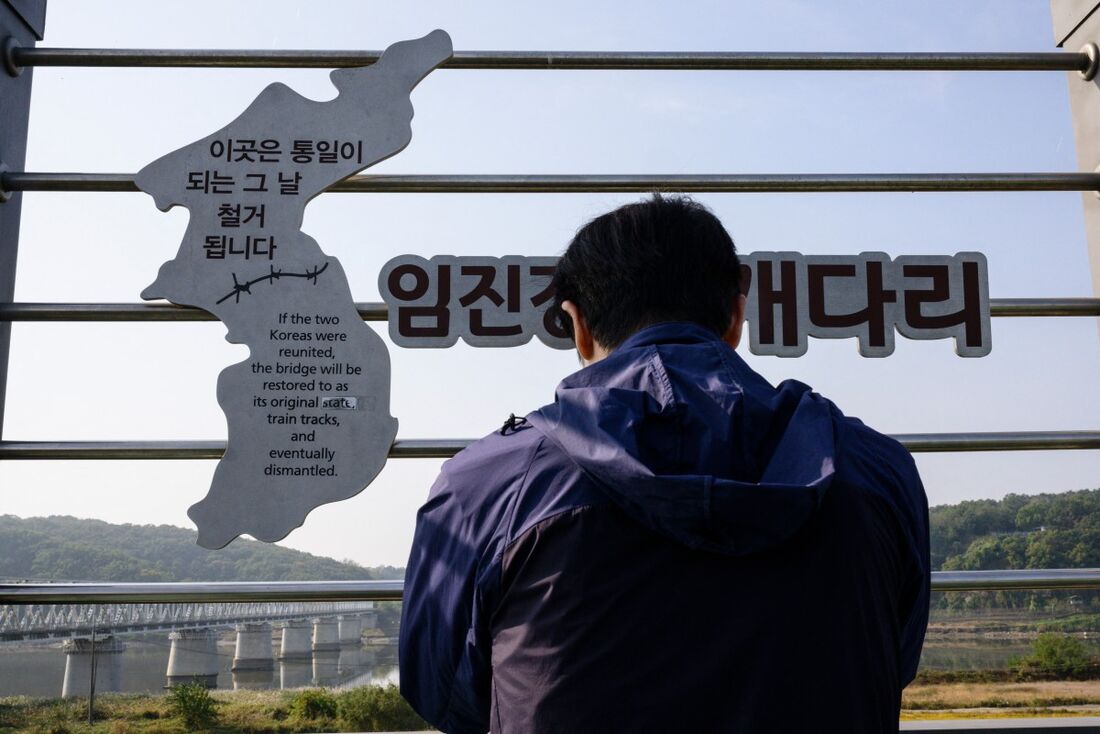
x,y
690,442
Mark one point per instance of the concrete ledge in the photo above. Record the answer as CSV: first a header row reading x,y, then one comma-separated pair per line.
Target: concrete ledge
x,y
1045,725
1051,724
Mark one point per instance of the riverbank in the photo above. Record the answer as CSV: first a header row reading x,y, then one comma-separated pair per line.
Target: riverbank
x,y
370,708
1007,625
375,708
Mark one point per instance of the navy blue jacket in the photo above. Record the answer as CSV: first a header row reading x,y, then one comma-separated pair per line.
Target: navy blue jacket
x,y
672,545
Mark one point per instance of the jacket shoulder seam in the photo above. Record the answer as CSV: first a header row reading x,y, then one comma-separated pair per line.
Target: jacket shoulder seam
x,y
520,488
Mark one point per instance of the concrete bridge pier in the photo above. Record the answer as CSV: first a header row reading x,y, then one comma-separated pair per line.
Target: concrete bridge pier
x,y
253,680
295,673
350,662
325,634
351,630
253,651
326,667
193,657
78,666
370,620
296,641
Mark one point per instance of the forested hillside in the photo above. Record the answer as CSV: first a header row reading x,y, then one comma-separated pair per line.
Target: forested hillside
x,y
1019,531
60,548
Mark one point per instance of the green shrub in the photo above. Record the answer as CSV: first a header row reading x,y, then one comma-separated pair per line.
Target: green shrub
x,y
374,708
193,703
313,704
1055,654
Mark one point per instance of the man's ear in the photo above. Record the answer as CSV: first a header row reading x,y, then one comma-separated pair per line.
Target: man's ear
x,y
737,322
582,337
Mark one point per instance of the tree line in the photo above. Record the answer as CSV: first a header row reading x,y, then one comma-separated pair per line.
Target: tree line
x,y
1019,531
61,548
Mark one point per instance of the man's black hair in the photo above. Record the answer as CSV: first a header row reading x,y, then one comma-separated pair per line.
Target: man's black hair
x,y
666,258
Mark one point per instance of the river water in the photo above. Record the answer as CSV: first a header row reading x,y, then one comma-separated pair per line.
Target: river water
x,y
38,668
983,653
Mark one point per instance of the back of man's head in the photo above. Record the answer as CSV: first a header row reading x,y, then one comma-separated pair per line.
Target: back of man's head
x,y
666,258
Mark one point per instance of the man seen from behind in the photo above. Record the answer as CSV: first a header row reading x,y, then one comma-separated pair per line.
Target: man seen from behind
x,y
673,544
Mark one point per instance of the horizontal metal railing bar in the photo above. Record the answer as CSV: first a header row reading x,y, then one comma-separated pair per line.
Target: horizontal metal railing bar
x,y
1043,307
432,448
688,60
994,441
410,448
626,183
219,591
226,591
371,311
1046,578
157,311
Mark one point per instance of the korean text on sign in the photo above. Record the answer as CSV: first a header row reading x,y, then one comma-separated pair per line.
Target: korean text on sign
x,y
499,302
867,296
485,301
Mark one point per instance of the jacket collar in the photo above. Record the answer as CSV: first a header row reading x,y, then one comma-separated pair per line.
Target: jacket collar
x,y
669,332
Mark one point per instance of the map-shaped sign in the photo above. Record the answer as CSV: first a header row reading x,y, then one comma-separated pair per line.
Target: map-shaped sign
x,y
308,411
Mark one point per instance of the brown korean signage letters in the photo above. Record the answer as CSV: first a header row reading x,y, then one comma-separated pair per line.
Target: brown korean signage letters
x,y
504,302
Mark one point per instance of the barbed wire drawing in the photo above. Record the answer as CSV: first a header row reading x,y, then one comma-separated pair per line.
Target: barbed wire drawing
x,y
246,287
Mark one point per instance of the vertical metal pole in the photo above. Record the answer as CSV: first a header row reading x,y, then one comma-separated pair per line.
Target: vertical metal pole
x,y
1076,25
21,22
91,676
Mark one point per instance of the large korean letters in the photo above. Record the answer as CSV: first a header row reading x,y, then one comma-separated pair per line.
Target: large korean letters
x,y
504,302
867,296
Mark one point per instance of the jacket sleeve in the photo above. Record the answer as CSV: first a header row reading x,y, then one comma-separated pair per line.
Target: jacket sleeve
x,y
917,586
892,475
451,582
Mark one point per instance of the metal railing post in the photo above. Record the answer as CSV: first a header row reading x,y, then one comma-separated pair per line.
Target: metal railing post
x,y
1077,27
20,26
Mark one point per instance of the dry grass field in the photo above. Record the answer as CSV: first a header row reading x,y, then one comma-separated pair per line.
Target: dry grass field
x,y
984,700
274,711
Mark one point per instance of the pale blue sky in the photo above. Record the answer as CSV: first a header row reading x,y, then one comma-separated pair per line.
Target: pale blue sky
x,y
156,381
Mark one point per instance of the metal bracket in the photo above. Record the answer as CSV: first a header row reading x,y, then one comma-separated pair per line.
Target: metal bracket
x,y
1092,51
4,193
8,50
